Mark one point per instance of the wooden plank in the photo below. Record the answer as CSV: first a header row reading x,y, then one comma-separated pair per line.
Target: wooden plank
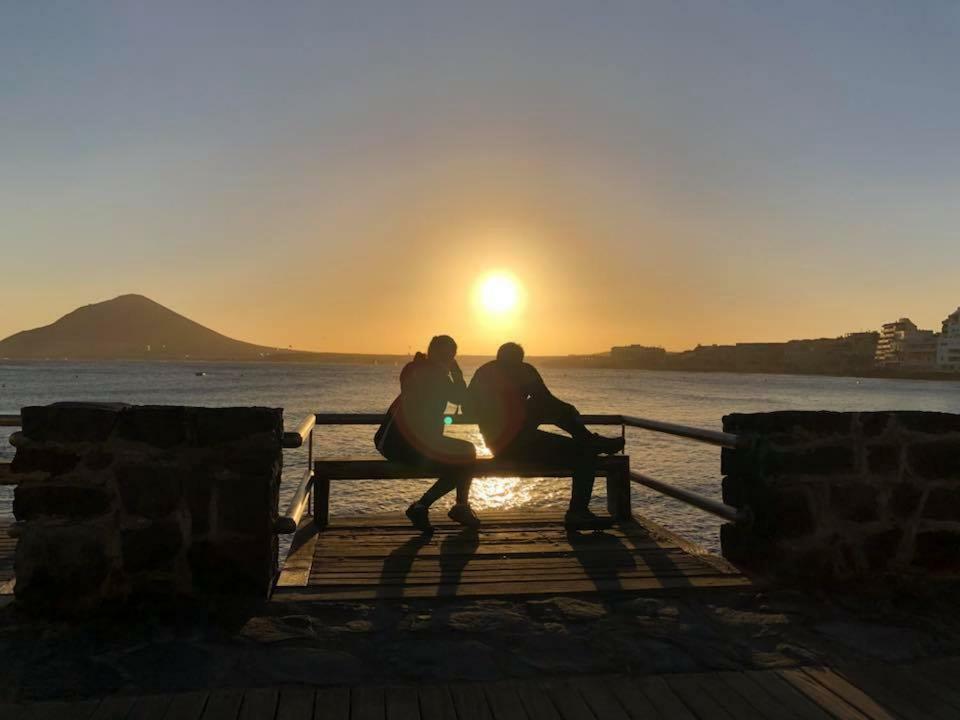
x,y
402,703
436,703
850,693
504,701
15,711
536,562
259,703
471,702
296,568
223,705
943,686
440,532
600,699
347,592
488,567
357,550
480,578
150,707
332,704
637,705
114,708
367,704
373,468
734,704
62,710
567,701
664,699
766,704
890,687
296,703
690,690
792,700
830,702
536,702
186,706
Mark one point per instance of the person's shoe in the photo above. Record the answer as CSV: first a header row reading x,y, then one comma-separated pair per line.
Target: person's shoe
x,y
419,515
586,520
607,445
464,514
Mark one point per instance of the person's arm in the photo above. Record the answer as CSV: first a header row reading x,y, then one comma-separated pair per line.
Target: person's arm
x,y
550,403
458,387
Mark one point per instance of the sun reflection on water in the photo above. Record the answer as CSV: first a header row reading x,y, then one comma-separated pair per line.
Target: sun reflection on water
x,y
501,493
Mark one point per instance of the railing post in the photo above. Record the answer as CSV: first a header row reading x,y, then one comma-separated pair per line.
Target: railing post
x,y
310,466
321,501
618,491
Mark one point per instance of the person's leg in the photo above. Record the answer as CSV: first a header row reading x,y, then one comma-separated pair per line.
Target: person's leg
x,y
542,446
569,420
451,454
444,484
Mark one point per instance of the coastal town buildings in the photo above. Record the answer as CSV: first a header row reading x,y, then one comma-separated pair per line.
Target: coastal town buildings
x,y
948,346
903,346
643,356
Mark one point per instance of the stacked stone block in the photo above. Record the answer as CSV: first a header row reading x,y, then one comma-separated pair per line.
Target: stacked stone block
x,y
115,501
845,496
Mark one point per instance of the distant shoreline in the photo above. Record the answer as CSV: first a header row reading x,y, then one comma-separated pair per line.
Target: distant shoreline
x,y
551,361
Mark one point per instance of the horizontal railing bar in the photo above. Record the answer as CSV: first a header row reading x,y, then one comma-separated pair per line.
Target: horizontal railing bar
x,y
715,507
299,436
714,437
377,418
10,421
290,521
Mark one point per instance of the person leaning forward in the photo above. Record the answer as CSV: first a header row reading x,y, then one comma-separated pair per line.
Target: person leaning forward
x,y
412,431
509,400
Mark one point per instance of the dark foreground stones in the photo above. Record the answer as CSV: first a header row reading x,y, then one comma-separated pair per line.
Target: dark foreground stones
x,y
115,501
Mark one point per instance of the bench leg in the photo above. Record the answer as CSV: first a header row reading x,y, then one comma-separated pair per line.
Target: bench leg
x,y
618,495
321,502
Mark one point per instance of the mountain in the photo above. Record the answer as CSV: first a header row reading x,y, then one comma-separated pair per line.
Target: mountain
x,y
133,327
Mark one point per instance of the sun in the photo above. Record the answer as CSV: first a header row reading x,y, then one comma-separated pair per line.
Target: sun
x,y
498,293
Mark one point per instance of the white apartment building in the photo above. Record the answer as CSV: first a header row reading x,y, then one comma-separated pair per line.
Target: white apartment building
x,y
948,347
902,345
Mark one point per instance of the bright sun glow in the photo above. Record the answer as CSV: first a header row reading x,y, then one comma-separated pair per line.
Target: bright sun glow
x,y
498,293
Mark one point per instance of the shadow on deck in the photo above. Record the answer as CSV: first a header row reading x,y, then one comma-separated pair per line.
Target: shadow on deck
x,y
8,548
514,554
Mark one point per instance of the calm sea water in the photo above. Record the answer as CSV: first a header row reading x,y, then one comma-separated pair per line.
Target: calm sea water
x,y
699,399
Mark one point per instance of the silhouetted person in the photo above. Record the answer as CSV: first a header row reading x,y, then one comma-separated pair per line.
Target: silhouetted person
x,y
413,430
509,400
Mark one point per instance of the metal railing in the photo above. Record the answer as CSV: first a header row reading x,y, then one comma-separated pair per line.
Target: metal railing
x,y
290,521
303,435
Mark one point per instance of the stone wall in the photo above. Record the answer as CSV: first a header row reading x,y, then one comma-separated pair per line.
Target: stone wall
x,y
116,501
845,496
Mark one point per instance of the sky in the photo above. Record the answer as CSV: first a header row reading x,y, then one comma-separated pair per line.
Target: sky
x,y
338,176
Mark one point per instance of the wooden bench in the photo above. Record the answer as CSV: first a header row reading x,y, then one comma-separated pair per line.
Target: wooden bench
x,y
615,468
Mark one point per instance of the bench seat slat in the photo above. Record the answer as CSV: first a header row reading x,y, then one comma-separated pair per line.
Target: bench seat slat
x,y
364,468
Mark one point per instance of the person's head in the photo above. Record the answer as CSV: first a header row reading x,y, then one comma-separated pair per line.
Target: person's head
x,y
510,353
442,349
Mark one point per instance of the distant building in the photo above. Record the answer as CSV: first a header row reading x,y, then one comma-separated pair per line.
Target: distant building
x,y
948,348
904,346
637,356
851,354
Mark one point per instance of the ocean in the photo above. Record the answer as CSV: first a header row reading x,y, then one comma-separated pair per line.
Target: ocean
x,y
699,399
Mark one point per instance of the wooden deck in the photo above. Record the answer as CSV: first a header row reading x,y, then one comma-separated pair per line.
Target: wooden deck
x,y
8,547
514,554
809,693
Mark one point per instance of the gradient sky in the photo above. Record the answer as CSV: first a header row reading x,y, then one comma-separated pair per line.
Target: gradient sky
x,y
334,176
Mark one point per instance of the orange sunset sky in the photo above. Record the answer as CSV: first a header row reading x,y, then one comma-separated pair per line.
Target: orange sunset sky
x,y
340,178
